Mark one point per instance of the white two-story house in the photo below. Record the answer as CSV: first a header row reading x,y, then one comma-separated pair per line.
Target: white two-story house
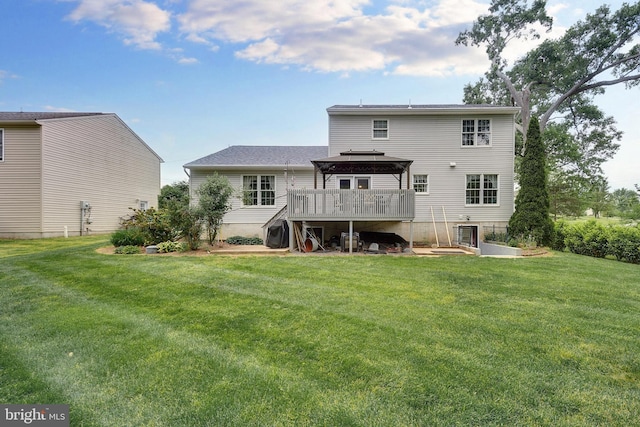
x,y
431,173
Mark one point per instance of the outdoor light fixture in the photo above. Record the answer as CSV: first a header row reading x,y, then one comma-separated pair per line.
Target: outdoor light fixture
x,y
452,164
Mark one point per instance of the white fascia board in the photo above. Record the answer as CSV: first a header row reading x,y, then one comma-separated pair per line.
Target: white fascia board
x,y
421,111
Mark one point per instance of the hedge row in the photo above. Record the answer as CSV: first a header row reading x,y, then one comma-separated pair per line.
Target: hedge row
x,y
597,240
239,240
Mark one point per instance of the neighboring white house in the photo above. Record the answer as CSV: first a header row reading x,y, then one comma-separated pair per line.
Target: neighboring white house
x,y
435,173
72,173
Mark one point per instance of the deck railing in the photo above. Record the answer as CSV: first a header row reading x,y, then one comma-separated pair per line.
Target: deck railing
x,y
335,205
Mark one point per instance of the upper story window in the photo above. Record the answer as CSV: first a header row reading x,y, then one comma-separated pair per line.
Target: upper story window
x,y
476,132
482,189
421,183
259,190
1,145
380,129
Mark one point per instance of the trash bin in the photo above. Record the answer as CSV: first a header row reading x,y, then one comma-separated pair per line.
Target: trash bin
x,y
354,244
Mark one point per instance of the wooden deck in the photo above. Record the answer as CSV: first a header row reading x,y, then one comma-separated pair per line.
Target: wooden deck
x,y
345,205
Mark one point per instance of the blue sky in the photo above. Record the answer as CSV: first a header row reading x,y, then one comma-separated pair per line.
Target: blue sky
x,y
192,77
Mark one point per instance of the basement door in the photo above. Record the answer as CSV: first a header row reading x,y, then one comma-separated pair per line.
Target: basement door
x,y
468,235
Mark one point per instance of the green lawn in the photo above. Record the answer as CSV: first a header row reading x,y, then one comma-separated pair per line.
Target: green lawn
x,y
135,340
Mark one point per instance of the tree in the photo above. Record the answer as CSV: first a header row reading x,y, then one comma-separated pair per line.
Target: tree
x,y
560,76
598,198
531,217
595,53
565,195
188,221
626,203
214,197
582,141
176,193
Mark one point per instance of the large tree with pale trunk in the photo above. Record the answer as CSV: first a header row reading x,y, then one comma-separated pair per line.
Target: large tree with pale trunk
x,y
558,80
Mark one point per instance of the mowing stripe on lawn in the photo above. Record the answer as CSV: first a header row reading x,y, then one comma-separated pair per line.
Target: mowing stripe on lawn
x,y
89,376
295,340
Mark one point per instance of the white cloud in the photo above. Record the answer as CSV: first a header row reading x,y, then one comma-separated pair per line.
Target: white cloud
x,y
137,21
250,20
408,37
330,36
188,61
6,75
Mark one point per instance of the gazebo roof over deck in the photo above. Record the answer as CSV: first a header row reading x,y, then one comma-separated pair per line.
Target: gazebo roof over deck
x,y
362,162
352,162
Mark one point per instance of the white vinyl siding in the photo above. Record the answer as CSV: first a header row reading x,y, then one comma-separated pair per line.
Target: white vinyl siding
x,y
20,183
433,143
247,220
97,159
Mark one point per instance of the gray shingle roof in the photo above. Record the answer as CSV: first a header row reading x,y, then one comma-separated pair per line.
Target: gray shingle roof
x,y
259,155
32,116
421,109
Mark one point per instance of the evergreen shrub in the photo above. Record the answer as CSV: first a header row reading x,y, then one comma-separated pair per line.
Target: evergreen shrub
x,y
624,244
589,238
132,236
594,239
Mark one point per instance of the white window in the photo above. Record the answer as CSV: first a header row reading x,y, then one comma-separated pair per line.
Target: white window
x,y
144,205
476,132
353,182
380,129
259,190
481,189
490,189
1,145
362,182
421,183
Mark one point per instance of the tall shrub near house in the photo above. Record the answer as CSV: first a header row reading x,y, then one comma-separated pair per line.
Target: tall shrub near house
x,y
154,225
174,195
214,200
531,217
188,221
